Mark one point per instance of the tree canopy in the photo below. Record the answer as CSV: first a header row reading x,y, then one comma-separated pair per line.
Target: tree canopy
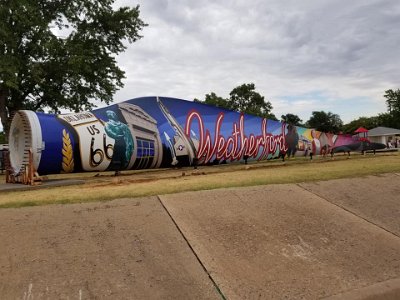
x,y
366,122
393,100
213,99
392,119
326,122
40,69
292,119
243,98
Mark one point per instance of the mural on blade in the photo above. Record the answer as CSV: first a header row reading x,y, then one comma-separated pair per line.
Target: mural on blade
x,y
151,132
96,147
127,137
235,144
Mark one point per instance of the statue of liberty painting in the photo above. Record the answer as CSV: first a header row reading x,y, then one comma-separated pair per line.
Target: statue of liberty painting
x,y
123,147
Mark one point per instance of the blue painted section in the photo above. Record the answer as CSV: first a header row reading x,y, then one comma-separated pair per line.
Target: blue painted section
x,y
51,159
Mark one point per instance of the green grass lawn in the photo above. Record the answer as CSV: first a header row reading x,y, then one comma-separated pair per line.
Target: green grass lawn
x,y
132,184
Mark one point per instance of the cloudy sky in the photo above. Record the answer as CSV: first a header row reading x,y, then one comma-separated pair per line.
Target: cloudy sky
x,y
331,55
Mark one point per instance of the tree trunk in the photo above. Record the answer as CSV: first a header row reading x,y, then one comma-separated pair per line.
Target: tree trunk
x,y
4,112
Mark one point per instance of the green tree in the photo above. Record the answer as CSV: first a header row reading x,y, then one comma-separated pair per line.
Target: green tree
x,y
292,119
366,122
326,122
245,99
392,119
213,99
393,101
388,120
40,69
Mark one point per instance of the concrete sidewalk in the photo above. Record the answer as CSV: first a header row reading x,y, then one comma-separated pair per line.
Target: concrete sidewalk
x,y
123,249
285,242
306,241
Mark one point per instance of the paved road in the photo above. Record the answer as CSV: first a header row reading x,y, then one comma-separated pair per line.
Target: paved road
x,y
336,240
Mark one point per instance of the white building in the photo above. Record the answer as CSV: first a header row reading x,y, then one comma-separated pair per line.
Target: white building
x,y
384,135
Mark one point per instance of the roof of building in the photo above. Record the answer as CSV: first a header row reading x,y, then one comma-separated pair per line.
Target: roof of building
x,y
380,131
361,130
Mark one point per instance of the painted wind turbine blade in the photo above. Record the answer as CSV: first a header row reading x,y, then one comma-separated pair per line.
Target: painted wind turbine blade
x,y
359,146
127,136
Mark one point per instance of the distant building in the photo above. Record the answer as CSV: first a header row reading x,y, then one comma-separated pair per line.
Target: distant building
x,y
384,135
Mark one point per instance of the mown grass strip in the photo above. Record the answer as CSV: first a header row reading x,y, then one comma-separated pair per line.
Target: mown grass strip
x,y
293,171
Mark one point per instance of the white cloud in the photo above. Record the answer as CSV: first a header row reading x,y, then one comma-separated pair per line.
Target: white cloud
x,y
331,55
339,50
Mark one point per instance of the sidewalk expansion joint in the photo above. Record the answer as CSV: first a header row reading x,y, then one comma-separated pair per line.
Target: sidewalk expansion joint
x,y
193,251
348,210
